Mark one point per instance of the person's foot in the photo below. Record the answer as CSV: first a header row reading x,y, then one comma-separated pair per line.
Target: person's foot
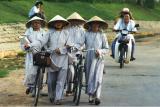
x,y
132,59
97,101
43,93
104,72
28,90
112,56
51,100
69,93
91,99
58,102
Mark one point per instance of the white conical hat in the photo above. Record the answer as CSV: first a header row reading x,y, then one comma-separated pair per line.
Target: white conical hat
x,y
125,10
103,24
57,18
28,24
75,16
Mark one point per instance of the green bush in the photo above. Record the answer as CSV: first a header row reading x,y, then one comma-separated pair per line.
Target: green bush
x,y
149,4
90,1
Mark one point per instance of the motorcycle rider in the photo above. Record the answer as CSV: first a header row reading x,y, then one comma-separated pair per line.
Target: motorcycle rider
x,y
125,23
121,14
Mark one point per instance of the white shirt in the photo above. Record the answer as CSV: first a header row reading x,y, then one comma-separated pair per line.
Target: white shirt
x,y
120,25
33,10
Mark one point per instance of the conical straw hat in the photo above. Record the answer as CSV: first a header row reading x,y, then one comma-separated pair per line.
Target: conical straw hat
x,y
43,22
76,16
57,18
96,19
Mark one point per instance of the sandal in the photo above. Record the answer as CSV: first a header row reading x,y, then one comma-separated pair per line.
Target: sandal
x,y
97,101
58,102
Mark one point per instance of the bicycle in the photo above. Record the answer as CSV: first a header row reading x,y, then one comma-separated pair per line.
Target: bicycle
x,y
80,79
42,60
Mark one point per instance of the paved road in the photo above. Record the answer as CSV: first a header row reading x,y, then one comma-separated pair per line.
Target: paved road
x,y
137,84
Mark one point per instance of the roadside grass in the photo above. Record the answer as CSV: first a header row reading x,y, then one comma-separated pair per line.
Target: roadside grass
x,y
9,64
17,10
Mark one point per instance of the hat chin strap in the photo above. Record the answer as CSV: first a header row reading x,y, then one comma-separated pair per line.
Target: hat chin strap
x,y
37,29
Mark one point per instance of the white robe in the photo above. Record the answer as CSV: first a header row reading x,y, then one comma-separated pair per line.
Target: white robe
x,y
94,65
76,36
76,39
30,69
55,39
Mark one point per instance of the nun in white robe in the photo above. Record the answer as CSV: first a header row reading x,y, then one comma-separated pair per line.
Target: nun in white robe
x,y
95,41
32,36
76,39
56,39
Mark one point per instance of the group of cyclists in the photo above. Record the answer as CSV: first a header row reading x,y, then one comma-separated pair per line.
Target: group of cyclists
x,y
63,34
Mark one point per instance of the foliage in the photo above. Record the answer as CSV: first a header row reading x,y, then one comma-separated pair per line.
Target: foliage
x,y
9,64
17,10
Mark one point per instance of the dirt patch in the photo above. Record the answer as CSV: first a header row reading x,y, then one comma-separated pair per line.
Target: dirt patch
x,y
12,90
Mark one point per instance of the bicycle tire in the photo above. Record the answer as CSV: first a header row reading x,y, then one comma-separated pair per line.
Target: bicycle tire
x,y
38,85
80,85
75,81
122,58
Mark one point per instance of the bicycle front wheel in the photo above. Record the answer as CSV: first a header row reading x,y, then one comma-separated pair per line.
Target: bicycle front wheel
x,y
122,58
38,85
79,86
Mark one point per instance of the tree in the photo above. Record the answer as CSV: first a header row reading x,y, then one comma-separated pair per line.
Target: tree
x,y
146,3
149,3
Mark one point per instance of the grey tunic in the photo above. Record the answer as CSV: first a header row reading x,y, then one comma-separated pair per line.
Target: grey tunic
x,y
76,36
30,69
55,39
76,39
95,65
56,79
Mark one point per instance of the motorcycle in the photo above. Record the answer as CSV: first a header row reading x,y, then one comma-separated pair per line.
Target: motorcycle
x,y
123,47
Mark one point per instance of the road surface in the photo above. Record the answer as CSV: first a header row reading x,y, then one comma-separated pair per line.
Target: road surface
x,y
137,84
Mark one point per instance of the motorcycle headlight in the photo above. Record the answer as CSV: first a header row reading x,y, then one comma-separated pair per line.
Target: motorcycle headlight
x,y
124,32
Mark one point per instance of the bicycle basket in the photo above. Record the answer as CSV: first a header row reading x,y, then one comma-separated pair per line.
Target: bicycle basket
x,y
42,59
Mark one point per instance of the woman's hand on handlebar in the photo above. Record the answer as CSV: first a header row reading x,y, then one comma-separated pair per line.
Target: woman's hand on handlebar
x,y
57,51
26,46
97,53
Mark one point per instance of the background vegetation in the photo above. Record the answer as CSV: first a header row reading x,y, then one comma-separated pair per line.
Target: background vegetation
x,y
17,10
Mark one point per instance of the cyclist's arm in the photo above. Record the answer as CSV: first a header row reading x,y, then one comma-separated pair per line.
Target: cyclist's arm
x,y
105,46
